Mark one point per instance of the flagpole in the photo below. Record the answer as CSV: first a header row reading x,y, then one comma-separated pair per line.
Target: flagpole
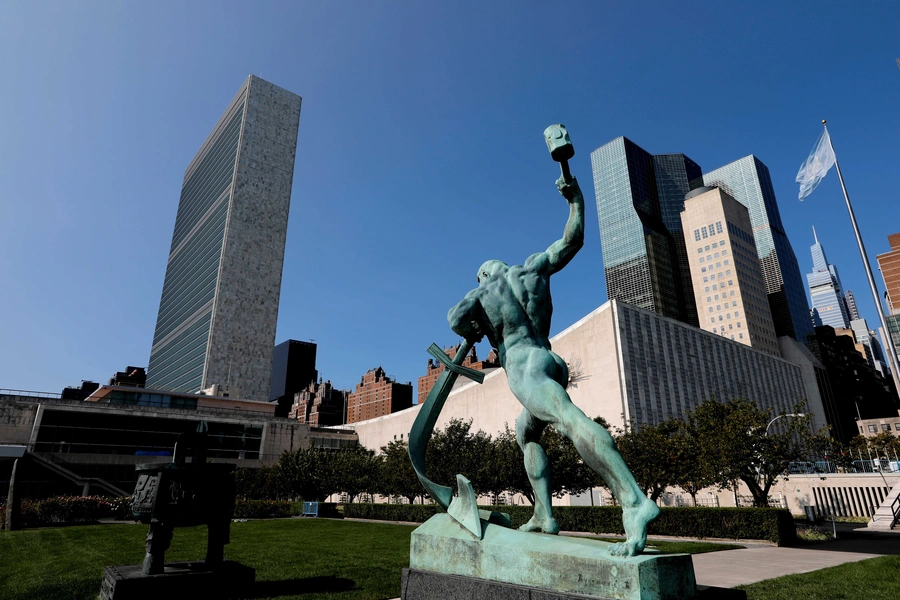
x,y
886,335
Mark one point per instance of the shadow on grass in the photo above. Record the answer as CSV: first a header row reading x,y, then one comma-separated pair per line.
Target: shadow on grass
x,y
297,587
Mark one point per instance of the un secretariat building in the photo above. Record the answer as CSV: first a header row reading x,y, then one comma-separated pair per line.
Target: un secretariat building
x,y
219,305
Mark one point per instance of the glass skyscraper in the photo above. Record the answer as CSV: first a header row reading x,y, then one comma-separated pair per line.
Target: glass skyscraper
x,y
219,304
640,197
828,304
747,180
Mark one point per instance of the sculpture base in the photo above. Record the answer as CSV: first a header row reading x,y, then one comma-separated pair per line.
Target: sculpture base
x,y
578,567
425,585
180,580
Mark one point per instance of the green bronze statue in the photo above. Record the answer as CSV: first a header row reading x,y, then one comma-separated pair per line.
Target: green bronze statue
x,y
512,307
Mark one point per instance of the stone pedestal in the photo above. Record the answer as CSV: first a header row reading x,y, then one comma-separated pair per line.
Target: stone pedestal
x,y
425,585
180,580
549,567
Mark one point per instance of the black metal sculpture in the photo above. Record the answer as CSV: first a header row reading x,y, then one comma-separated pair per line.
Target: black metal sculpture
x,y
185,494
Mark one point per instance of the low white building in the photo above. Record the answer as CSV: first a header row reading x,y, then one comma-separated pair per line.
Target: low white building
x,y
632,365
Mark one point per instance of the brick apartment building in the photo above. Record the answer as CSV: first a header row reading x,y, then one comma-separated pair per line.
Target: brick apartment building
x,y
320,405
427,381
377,395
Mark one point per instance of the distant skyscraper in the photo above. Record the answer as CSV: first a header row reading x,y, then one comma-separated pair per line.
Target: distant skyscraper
x,y
852,311
747,180
219,305
825,289
293,370
869,340
728,284
640,197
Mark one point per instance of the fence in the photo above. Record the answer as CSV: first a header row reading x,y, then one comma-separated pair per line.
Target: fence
x,y
845,501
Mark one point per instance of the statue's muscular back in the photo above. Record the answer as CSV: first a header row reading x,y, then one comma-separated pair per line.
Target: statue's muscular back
x,y
517,304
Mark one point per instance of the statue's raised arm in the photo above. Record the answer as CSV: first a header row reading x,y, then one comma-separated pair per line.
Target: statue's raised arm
x,y
562,250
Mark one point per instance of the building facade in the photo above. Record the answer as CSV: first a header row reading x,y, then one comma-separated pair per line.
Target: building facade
x,y
293,368
851,305
219,304
320,405
640,197
860,391
377,395
70,443
636,367
889,265
426,382
747,180
729,289
829,306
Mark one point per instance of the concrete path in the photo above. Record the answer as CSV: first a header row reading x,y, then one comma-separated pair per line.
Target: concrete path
x,y
730,568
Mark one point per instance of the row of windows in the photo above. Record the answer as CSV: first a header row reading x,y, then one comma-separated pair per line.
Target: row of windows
x,y
884,427
708,231
719,286
740,234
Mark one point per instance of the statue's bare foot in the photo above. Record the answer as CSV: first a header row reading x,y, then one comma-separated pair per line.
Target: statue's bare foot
x,y
542,524
635,520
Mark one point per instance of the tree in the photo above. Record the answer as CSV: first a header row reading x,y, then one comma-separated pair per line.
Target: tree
x,y
456,450
649,452
735,445
690,472
396,474
885,445
307,473
256,484
355,470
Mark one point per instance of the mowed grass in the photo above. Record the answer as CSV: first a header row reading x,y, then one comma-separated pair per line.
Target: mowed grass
x,y
872,579
308,559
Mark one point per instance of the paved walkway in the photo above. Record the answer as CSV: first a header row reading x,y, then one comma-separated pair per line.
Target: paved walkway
x,y
730,568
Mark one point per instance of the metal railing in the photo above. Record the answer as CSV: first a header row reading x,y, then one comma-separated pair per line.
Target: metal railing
x,y
29,394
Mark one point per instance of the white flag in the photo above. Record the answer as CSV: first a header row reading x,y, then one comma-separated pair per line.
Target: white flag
x,y
816,166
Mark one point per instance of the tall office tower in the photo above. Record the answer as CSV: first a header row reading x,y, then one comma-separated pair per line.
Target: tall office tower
x,y
293,370
747,180
828,304
219,305
728,285
640,197
852,311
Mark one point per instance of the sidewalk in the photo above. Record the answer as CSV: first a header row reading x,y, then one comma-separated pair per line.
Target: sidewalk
x,y
730,568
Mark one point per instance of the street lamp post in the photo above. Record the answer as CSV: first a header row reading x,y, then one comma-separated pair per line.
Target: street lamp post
x,y
799,415
759,470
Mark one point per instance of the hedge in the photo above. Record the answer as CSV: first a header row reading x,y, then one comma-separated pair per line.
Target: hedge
x,y
774,525
71,509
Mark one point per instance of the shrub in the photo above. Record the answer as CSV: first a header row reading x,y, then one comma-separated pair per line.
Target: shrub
x,y
774,525
261,509
63,510
413,513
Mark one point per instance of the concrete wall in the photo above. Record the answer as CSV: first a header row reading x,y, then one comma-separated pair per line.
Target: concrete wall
x,y
585,346
17,415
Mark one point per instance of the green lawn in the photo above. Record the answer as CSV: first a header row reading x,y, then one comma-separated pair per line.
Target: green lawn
x,y
873,579
308,559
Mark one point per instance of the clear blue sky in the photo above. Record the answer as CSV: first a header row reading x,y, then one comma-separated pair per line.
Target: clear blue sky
x,y
419,156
